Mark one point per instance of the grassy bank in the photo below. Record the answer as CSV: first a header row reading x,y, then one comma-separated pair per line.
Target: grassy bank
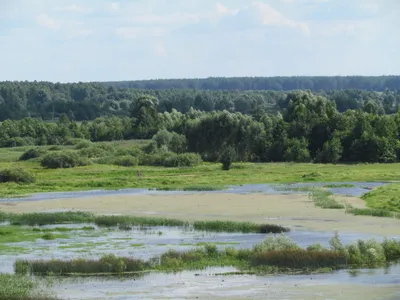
x,y
203,177
124,222
274,254
384,198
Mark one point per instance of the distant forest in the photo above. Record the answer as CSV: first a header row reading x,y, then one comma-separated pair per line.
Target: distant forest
x,y
314,83
250,96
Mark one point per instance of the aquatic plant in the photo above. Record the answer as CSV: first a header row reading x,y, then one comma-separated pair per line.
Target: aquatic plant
x,y
325,199
32,219
232,226
373,212
14,287
109,221
274,254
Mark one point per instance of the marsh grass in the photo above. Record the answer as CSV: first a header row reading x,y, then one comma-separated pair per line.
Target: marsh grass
x,y
124,221
272,255
231,226
127,222
33,219
373,212
325,199
339,185
20,288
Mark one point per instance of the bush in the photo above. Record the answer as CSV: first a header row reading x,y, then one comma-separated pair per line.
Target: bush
x,y
74,141
55,148
126,161
18,142
93,152
32,153
17,175
63,160
183,160
83,144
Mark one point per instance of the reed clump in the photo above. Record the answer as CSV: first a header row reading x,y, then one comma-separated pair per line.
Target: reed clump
x,y
244,227
277,254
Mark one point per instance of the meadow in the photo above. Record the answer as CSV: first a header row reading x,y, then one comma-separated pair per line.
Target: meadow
x,y
115,165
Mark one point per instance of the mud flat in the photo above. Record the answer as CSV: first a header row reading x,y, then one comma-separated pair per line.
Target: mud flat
x,y
293,210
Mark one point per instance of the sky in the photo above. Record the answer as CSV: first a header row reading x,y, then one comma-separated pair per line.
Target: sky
x,y
99,40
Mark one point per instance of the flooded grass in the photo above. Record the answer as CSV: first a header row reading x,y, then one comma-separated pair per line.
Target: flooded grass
x,y
127,222
325,199
15,234
20,288
373,212
33,219
339,185
244,227
275,254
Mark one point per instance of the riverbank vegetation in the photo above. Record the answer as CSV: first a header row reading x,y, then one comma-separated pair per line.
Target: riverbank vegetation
x,y
33,219
275,254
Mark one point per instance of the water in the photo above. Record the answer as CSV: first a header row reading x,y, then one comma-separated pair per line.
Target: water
x,y
359,284
150,242
358,189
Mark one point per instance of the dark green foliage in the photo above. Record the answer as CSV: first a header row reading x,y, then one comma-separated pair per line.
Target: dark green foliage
x,y
82,145
33,153
17,175
109,221
93,152
108,263
125,161
245,227
299,259
74,142
227,156
63,160
183,160
32,219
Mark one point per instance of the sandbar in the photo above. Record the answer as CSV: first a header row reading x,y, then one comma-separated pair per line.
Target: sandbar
x,y
293,210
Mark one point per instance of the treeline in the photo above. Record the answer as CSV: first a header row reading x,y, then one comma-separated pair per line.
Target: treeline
x,y
314,83
310,129
88,101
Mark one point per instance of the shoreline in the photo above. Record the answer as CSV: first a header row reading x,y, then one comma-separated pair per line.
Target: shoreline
x,y
289,210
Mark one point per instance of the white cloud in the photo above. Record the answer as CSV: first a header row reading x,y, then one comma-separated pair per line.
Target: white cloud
x,y
113,6
270,16
160,50
46,21
223,10
73,8
134,32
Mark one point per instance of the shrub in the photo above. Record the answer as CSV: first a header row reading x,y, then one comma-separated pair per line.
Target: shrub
x,y
83,144
18,141
33,153
273,243
74,141
55,148
49,236
183,160
92,152
126,161
17,175
63,160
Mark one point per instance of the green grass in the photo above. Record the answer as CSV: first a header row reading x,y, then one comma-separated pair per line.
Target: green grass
x,y
373,212
273,254
15,234
325,199
126,222
32,219
231,226
339,185
207,176
384,198
20,288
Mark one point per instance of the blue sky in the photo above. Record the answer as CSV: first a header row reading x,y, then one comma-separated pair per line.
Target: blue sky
x,y
98,40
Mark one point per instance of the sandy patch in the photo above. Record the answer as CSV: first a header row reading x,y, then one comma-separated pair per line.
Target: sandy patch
x,y
288,210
